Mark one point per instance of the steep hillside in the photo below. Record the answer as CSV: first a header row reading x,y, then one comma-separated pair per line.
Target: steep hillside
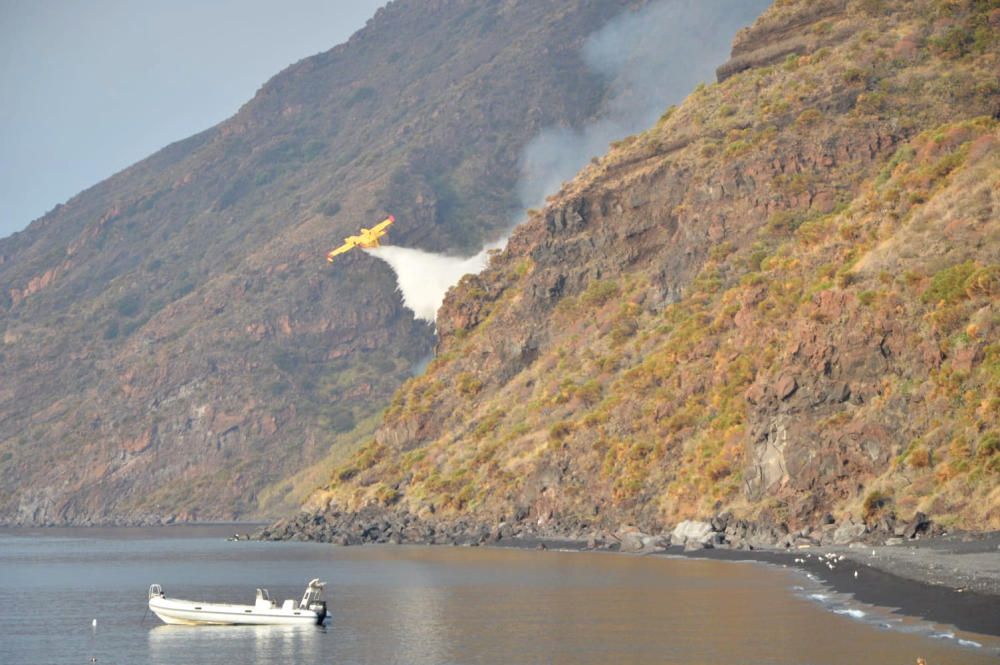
x,y
780,302
174,344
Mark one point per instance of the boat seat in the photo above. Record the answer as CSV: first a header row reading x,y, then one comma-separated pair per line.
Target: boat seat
x,y
263,600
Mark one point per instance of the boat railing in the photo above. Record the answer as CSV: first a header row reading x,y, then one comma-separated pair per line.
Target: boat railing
x,y
155,591
312,593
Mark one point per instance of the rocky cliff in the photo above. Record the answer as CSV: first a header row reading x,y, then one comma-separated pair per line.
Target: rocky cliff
x,y
778,304
174,345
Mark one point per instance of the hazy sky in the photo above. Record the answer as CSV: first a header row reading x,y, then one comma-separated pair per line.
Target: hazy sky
x,y
88,87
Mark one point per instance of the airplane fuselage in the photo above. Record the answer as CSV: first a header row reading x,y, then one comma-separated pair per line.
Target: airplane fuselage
x,y
367,238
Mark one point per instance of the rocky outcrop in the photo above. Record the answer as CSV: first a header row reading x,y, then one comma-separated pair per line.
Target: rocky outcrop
x,y
798,31
380,525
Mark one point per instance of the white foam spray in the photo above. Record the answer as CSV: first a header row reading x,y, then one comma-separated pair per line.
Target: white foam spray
x,y
424,277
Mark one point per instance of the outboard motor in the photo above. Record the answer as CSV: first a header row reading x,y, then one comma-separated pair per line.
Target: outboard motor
x,y
319,607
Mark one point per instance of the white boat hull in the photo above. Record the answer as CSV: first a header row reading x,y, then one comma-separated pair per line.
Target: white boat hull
x,y
191,613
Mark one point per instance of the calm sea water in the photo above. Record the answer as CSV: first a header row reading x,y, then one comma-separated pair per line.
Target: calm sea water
x,y
417,605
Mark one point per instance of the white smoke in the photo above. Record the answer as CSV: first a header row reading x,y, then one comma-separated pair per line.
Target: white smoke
x,y
650,58
424,277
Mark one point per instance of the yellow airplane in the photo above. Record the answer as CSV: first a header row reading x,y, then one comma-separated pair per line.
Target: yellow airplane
x,y
366,238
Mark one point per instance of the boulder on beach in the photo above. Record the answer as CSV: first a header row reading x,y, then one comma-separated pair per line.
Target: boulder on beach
x,y
919,524
848,532
631,539
691,531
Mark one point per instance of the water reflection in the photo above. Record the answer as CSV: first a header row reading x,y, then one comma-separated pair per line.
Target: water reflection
x,y
418,606
403,611
169,645
417,613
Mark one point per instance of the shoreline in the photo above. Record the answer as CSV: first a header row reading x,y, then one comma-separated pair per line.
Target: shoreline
x,y
966,610
951,580
886,580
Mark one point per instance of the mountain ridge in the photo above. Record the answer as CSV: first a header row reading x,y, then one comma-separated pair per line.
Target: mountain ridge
x,y
777,304
174,345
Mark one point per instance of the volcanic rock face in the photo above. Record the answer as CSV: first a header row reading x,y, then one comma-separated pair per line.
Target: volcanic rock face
x,y
174,345
779,302
786,33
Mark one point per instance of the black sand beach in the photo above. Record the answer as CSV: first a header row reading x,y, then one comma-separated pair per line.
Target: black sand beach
x,y
912,587
953,580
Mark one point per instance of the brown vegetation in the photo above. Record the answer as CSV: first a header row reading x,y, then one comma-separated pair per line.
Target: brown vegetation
x,y
780,301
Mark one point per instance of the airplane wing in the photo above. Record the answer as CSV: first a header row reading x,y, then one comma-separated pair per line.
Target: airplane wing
x,y
383,225
343,249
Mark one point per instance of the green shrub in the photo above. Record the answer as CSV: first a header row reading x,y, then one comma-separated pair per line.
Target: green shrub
x,y
560,430
904,154
872,7
948,285
853,75
727,110
984,282
755,259
182,290
347,473
875,502
361,95
129,305
387,495
953,44
625,327
872,103
287,361
342,420
809,117
488,424
589,393
469,385
599,292
919,458
845,277
736,148
330,208
989,445
111,332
